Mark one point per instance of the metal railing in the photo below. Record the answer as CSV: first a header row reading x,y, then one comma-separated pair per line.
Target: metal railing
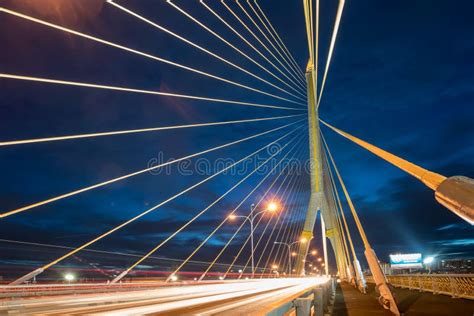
x,y
315,300
456,285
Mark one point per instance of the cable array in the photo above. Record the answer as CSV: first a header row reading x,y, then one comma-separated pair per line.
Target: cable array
x,y
276,69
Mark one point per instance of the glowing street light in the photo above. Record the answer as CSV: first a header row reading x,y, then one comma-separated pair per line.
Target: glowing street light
x,y
271,207
313,252
69,277
320,259
290,254
428,261
274,267
174,278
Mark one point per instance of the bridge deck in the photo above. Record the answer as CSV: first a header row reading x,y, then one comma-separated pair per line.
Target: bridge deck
x,y
350,302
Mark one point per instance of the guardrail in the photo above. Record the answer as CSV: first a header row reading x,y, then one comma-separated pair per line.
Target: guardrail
x,y
314,301
456,285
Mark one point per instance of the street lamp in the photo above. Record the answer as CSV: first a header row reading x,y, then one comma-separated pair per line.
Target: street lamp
x,y
271,207
69,277
302,240
427,262
313,252
174,278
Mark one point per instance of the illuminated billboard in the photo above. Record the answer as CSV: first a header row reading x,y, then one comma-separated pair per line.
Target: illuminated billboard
x,y
406,261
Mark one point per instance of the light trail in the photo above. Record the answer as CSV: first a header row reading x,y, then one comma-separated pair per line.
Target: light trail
x,y
143,258
337,22
207,51
140,53
225,297
27,243
238,230
43,268
124,89
258,39
258,51
62,196
188,259
298,75
282,47
141,130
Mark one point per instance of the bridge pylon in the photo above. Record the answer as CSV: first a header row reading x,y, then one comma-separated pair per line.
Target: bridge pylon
x,y
318,199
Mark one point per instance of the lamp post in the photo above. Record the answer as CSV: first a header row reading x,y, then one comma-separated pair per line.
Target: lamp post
x,y
427,262
271,207
288,245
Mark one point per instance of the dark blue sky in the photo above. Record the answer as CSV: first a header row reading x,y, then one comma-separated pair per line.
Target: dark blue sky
x,y
401,78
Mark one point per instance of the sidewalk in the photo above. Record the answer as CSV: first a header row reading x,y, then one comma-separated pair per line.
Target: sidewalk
x,y
350,302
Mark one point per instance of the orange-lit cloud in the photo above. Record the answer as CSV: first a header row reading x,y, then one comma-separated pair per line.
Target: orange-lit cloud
x,y
71,12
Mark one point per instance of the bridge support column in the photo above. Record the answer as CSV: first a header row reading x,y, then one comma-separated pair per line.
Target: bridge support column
x,y
318,302
303,306
317,200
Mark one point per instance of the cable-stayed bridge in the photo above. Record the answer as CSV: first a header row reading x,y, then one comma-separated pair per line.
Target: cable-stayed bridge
x,y
258,257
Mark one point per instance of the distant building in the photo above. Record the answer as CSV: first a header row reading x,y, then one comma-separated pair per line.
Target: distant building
x,y
454,266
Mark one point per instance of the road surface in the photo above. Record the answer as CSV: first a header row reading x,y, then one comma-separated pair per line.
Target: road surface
x,y
236,297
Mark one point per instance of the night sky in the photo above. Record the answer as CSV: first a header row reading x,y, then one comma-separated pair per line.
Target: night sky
x,y
402,78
